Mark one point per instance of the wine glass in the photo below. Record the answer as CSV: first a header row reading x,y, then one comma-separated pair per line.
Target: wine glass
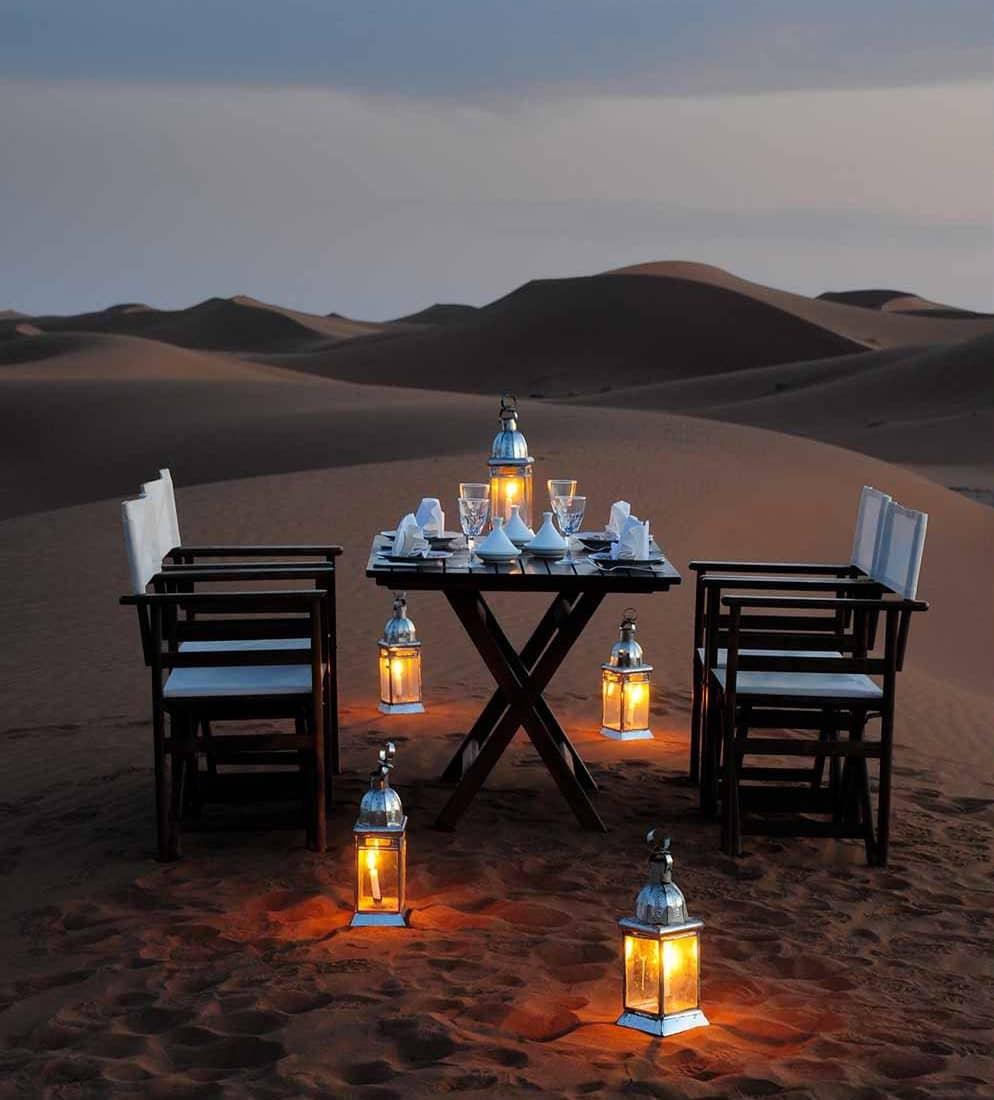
x,y
561,486
474,508
570,511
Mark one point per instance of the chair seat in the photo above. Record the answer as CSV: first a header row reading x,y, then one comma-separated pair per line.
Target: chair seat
x,y
238,680
242,644
807,685
722,659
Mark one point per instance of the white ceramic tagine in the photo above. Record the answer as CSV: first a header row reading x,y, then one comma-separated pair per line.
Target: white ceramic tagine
x,y
516,529
497,546
548,543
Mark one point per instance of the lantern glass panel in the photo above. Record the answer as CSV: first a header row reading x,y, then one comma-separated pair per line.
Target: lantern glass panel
x,y
642,959
612,693
510,485
635,701
681,973
400,674
379,874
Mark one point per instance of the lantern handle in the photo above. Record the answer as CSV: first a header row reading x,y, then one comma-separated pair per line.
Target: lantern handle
x,y
659,853
381,776
630,615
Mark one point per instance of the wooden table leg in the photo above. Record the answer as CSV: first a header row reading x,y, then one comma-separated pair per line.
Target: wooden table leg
x,y
496,708
522,691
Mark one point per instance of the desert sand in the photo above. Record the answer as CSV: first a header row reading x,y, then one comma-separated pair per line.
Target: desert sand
x,y
232,972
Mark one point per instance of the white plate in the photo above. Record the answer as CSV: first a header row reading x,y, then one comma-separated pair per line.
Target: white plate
x,y
414,559
497,559
547,555
604,558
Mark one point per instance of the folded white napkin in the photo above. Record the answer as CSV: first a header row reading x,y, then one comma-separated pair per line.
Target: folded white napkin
x,y
408,541
430,517
620,511
634,542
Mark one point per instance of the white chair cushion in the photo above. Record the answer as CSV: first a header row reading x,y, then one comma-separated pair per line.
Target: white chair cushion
x,y
243,644
722,659
209,682
828,685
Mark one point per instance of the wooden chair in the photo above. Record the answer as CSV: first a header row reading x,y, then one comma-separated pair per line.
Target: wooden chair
x,y
712,577
153,543
759,689
253,677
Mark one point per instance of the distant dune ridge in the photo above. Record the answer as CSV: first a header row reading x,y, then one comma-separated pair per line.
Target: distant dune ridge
x,y
877,370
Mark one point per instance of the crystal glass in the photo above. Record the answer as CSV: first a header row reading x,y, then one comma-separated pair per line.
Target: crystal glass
x,y
473,512
569,510
561,486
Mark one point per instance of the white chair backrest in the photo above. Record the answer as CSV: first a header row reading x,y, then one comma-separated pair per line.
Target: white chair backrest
x,y
868,535
140,542
151,529
163,501
901,551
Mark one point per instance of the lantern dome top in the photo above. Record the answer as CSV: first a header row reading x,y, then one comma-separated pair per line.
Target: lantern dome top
x,y
381,807
660,901
399,629
510,447
626,652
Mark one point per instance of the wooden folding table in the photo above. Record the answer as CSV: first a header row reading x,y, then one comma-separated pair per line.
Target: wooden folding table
x,y
523,676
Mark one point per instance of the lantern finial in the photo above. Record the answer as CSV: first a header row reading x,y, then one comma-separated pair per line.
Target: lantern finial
x,y
660,857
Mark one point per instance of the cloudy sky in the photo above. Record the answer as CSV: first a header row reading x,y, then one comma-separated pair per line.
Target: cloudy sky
x,y
375,157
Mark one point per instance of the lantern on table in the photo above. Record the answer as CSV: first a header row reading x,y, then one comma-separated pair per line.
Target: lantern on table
x,y
400,663
662,953
510,467
625,687
380,851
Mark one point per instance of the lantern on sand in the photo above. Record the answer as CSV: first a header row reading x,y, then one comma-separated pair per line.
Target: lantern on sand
x,y
625,687
510,466
662,953
380,851
400,663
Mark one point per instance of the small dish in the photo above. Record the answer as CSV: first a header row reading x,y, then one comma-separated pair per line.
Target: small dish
x,y
552,554
604,558
596,540
496,559
413,559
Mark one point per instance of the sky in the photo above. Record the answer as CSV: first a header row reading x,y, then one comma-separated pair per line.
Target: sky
x,y
374,158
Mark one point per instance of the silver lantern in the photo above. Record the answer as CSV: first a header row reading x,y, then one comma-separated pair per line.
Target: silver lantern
x,y
380,835
400,663
662,953
511,466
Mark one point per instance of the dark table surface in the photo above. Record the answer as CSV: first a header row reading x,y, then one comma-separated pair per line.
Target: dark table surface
x,y
527,574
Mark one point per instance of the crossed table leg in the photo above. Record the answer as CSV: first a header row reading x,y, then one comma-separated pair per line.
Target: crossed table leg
x,y
518,702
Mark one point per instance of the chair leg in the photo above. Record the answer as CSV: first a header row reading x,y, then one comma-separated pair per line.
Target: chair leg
x,y
826,734
696,711
161,785
182,731
883,793
211,759
730,808
319,780
710,756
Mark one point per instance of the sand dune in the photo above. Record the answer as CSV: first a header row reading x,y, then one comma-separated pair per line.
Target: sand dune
x,y
232,973
873,328
897,301
931,405
238,324
441,313
560,336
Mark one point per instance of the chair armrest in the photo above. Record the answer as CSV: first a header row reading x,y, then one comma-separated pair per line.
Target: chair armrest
x,y
251,572
287,599
220,551
789,583
824,603
836,568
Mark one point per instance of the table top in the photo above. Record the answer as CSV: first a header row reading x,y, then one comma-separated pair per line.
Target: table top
x,y
527,574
